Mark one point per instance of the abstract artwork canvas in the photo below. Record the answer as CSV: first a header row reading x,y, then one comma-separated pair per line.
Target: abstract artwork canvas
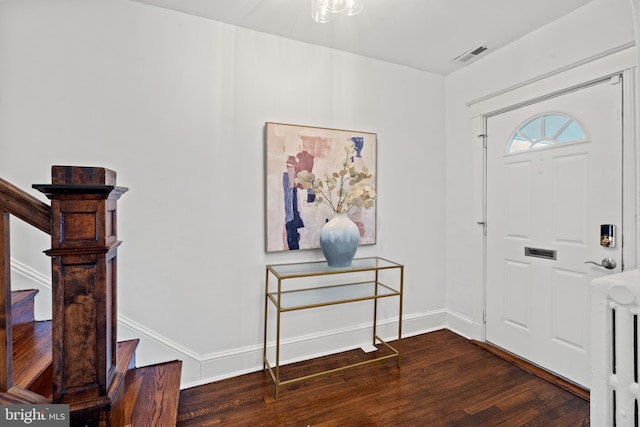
x,y
293,219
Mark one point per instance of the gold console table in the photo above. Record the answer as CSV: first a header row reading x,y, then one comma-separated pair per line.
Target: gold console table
x,y
292,298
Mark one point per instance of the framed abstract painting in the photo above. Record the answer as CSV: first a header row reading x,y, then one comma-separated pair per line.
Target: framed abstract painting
x,y
294,217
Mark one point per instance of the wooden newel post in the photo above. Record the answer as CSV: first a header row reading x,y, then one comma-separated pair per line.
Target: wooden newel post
x,y
84,257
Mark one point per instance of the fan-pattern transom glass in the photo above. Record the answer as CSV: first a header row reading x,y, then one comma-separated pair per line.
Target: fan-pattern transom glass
x,y
544,131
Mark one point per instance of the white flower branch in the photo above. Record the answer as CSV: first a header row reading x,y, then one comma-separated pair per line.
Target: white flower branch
x,y
352,190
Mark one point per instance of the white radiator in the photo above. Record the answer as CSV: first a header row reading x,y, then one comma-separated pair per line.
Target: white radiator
x,y
615,392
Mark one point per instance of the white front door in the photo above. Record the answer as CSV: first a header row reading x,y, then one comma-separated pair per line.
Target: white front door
x,y
554,176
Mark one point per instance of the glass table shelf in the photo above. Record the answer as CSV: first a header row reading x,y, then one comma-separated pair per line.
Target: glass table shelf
x,y
330,295
319,268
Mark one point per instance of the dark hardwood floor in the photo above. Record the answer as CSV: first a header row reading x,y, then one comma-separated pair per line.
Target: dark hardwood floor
x,y
444,380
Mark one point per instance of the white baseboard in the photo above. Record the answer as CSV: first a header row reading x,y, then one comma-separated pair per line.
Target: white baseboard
x,y
461,325
219,366
200,369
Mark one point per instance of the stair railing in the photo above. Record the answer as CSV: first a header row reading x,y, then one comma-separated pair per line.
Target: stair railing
x,y
16,202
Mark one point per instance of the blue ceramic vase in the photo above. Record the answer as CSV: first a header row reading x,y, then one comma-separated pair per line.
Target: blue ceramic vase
x,y
339,240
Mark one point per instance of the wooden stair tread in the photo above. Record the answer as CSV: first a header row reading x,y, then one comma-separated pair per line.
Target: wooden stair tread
x,y
7,399
126,354
126,360
19,296
22,306
152,395
32,352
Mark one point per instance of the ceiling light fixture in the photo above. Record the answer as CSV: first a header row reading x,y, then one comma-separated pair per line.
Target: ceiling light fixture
x,y
324,11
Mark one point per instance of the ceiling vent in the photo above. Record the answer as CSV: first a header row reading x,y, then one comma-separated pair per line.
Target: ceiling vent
x,y
473,53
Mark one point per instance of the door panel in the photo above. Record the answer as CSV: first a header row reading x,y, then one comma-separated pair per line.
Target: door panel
x,y
517,310
518,199
569,197
553,200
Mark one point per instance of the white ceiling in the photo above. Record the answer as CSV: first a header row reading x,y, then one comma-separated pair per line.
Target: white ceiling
x,y
423,34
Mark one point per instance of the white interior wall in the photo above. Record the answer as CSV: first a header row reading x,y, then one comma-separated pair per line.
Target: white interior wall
x,y
598,28
176,105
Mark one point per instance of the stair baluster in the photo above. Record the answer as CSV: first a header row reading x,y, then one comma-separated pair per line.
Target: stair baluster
x,y
6,337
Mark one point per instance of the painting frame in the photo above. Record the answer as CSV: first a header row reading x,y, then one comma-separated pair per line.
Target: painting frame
x,y
292,219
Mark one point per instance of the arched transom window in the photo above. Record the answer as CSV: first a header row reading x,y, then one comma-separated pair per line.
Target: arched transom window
x,y
546,130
